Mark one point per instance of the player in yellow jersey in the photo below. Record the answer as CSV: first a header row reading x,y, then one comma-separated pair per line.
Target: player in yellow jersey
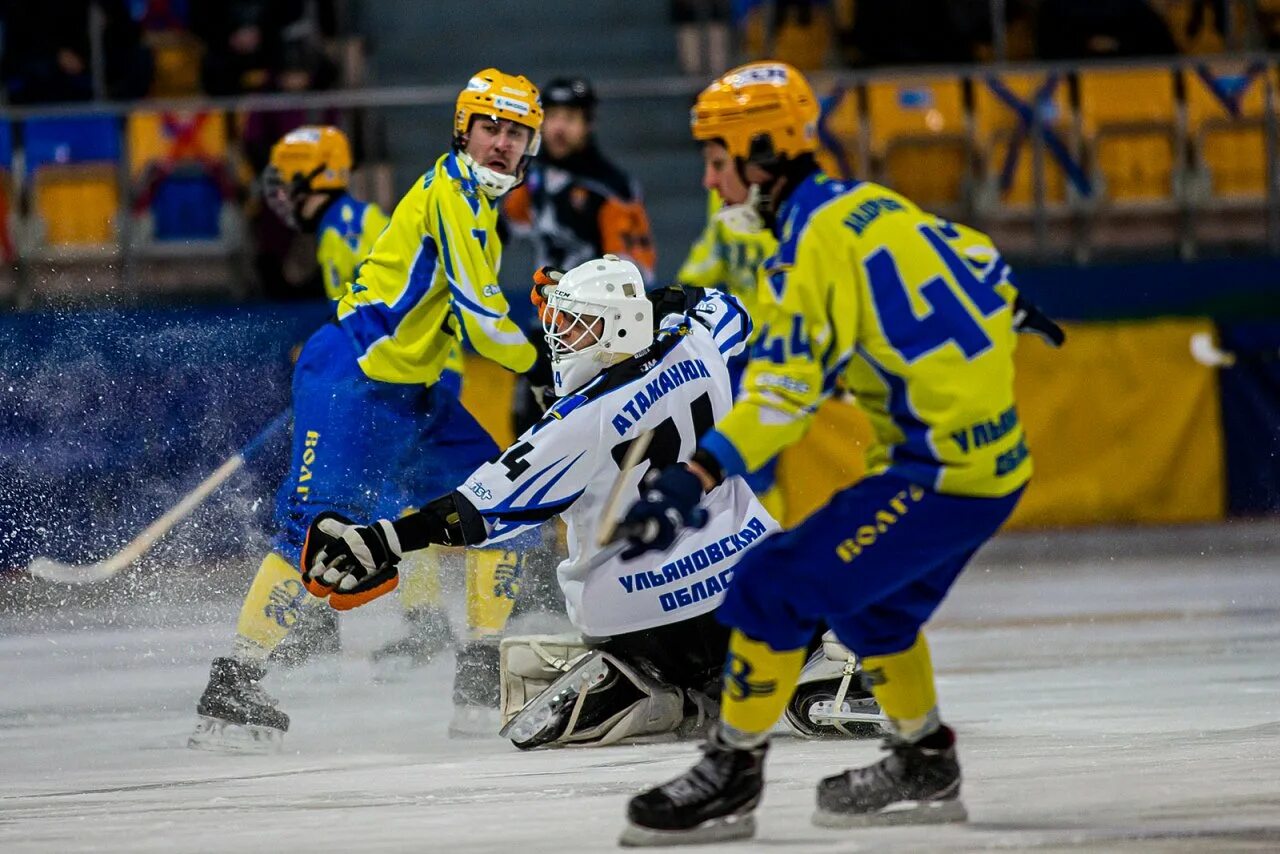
x,y
916,317
373,430
306,183
727,256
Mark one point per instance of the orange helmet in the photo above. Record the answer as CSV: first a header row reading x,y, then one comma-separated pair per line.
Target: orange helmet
x,y
500,96
310,159
760,111
320,154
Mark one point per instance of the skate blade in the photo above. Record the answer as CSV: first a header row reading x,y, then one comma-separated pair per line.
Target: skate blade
x,y
724,829
535,722
219,736
907,812
474,722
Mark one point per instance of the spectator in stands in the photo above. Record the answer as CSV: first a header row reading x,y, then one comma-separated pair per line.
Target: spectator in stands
x,y
702,35
1078,29
575,204
48,52
252,45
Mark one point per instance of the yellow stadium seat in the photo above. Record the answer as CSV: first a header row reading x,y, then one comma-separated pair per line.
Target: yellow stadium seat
x,y
1226,131
918,137
1129,118
804,45
998,127
170,138
77,204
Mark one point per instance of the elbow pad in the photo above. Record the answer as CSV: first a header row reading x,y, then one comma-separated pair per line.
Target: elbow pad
x,y
450,520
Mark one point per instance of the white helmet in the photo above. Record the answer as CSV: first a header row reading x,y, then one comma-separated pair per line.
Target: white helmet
x,y
595,315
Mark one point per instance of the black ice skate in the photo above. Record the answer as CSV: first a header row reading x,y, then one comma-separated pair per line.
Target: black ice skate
x,y
476,691
429,634
315,635
914,784
236,715
712,802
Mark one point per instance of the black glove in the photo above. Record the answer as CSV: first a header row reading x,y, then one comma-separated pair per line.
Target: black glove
x,y
1028,318
541,378
670,504
349,564
673,299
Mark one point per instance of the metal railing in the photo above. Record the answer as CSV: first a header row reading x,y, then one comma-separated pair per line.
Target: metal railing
x,y
1055,231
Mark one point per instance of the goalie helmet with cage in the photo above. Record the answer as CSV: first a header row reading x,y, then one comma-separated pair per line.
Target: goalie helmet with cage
x,y
309,159
593,316
496,95
763,113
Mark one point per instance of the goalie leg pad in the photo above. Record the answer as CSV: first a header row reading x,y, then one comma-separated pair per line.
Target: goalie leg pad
x,y
528,664
600,700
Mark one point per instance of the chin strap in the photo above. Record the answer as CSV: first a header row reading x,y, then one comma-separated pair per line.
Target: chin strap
x,y
492,183
745,217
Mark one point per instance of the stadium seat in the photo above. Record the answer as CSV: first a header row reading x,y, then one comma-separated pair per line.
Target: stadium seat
x,y
1225,128
804,44
178,171
918,140
1129,118
1003,107
72,170
77,204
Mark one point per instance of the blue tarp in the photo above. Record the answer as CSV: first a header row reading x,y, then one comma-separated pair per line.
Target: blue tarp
x,y
1250,392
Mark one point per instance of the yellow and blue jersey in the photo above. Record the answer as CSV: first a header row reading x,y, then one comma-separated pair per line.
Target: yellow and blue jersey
x,y
911,313
432,278
726,260
344,237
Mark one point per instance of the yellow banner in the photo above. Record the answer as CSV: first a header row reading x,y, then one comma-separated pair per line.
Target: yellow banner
x,y
1124,426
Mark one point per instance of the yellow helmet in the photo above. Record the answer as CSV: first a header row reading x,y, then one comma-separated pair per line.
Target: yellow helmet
x,y
760,111
500,96
318,154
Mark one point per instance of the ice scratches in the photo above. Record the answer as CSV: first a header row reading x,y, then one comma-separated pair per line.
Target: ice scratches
x,y
1183,836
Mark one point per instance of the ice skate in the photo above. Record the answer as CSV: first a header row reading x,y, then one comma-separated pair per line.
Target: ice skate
x,y
476,691
428,635
712,802
315,635
912,785
830,700
235,714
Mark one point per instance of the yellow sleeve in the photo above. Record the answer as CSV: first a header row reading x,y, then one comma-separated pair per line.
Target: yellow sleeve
x,y
477,301
337,265
704,266
792,360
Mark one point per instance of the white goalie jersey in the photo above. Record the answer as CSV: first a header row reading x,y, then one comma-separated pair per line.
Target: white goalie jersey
x,y
567,463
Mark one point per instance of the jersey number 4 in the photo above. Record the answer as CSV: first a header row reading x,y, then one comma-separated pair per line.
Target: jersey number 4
x,y
948,319
668,443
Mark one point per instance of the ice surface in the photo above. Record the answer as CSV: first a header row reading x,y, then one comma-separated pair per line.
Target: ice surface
x,y
1127,705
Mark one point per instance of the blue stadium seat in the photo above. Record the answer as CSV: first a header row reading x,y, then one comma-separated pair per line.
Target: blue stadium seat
x,y
73,139
186,206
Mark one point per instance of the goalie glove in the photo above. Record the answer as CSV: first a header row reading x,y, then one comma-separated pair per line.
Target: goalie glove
x,y
349,564
669,505
1027,318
